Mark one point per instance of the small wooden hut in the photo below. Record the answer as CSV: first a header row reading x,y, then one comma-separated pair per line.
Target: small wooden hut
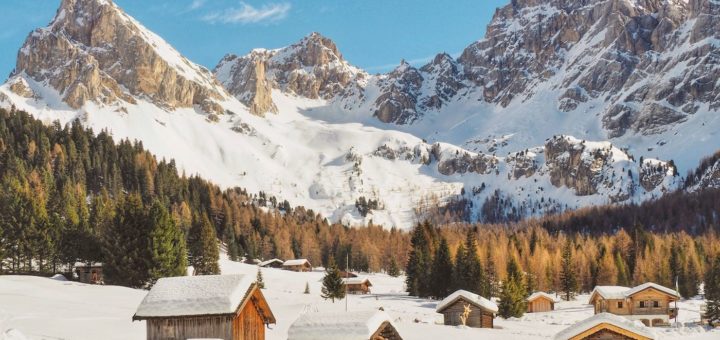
x,y
89,273
298,265
540,302
357,285
361,325
229,307
480,312
274,263
606,326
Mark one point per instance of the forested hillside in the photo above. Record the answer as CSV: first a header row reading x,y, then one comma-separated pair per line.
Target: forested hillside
x,y
69,195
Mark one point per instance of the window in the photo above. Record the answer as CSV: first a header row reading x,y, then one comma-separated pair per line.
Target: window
x,y
620,304
642,304
656,304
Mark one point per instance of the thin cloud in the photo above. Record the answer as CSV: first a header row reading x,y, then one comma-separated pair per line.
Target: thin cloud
x,y
196,4
414,62
247,14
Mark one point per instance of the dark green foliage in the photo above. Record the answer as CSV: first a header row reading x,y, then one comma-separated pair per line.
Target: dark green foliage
x,y
469,272
442,270
419,260
168,254
204,252
393,269
307,288
332,284
512,297
568,279
364,205
127,252
712,292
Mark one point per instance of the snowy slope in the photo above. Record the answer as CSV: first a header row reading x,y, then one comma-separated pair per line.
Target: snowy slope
x,y
325,149
42,308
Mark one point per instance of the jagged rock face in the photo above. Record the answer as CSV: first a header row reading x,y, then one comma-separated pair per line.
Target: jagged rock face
x,y
312,68
653,61
462,162
652,174
21,88
522,165
106,56
400,90
245,78
585,169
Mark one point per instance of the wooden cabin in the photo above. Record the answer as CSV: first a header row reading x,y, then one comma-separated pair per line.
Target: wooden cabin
x,y
482,311
347,274
228,307
540,302
606,326
359,325
298,265
357,285
274,263
89,273
649,303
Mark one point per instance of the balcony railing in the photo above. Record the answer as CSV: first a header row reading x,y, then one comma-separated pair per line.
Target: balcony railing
x,y
651,311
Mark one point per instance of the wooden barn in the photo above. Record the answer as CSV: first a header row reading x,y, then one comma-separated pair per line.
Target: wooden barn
x,y
540,302
361,325
480,311
274,263
298,265
89,273
606,326
650,303
228,307
357,285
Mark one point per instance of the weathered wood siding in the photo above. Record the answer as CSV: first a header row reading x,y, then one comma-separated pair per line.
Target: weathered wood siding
x,y
249,324
478,318
358,288
605,334
215,327
386,331
540,304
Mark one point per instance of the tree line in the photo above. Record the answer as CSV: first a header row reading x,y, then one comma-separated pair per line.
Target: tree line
x,y
512,262
68,194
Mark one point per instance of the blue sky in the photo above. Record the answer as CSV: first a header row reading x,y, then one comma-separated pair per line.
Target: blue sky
x,y
372,34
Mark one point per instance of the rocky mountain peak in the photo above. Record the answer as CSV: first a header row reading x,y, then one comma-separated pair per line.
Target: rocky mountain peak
x,y
93,51
313,50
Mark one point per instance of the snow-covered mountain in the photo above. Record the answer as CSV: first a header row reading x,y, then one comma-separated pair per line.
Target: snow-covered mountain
x,y
488,132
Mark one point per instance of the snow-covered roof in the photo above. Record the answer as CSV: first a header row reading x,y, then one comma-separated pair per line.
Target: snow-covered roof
x,y
85,264
297,262
359,325
357,281
195,295
610,292
605,318
653,285
265,263
619,292
536,295
473,298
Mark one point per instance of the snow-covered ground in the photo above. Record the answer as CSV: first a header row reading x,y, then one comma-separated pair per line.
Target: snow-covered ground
x,y
42,308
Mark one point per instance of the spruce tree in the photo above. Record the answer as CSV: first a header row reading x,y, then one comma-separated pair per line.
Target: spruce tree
x,y
442,269
204,247
689,286
126,246
512,297
393,269
307,288
419,260
568,280
712,292
259,279
332,284
167,245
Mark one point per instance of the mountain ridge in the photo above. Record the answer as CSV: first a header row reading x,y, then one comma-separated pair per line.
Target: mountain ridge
x,y
302,123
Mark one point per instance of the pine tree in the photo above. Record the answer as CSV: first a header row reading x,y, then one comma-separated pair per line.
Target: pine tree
x,y
167,245
126,246
307,288
568,281
259,279
419,260
491,275
393,269
689,286
333,287
512,297
712,292
204,248
441,270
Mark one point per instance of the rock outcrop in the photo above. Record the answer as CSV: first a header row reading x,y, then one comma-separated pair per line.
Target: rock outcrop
x,y
93,51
